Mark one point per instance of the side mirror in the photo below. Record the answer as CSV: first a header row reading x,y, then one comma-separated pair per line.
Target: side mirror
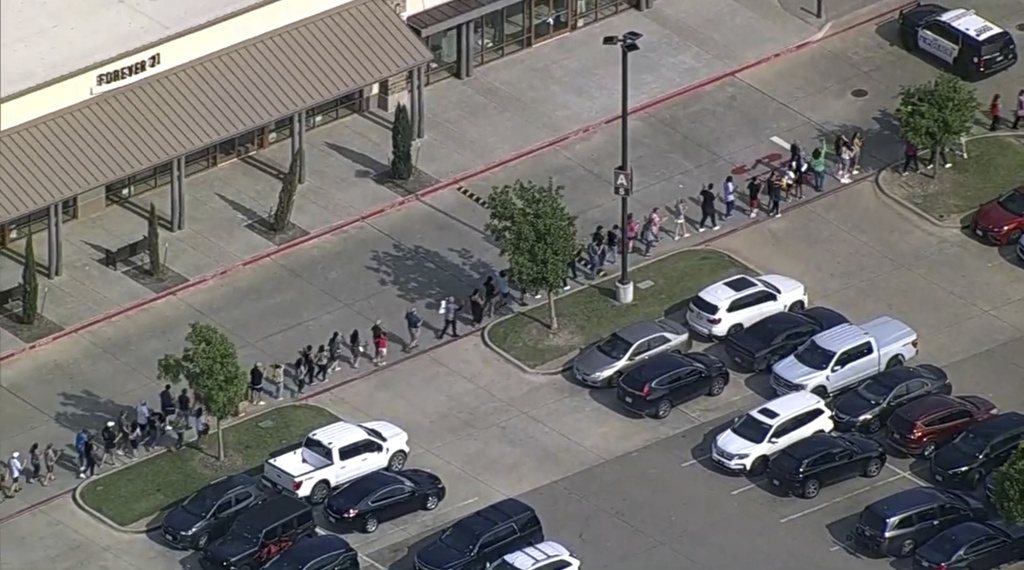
x,y
836,368
773,440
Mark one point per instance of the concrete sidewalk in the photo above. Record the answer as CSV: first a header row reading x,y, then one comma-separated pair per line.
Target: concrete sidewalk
x,y
506,107
436,246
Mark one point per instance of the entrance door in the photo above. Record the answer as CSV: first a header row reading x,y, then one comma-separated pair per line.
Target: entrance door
x,y
550,19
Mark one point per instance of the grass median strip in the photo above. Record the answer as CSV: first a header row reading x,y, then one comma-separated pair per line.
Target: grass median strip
x,y
591,313
152,485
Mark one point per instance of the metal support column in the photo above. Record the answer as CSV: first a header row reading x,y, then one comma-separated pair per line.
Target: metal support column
x,y
420,106
462,41
175,196
299,140
414,104
181,192
470,44
51,240
59,226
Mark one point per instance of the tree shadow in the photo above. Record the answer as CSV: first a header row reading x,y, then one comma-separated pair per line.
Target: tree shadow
x,y
88,410
249,214
419,273
882,143
370,166
264,166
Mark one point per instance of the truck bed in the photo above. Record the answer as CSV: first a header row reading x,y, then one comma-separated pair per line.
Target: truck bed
x,y
295,464
889,332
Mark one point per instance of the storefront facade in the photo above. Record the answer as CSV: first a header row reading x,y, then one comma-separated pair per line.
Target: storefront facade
x,y
465,34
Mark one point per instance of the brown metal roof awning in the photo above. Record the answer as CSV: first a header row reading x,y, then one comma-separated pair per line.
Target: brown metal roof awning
x,y
143,125
453,13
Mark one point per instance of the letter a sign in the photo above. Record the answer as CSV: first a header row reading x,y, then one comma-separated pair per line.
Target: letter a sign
x,y
623,182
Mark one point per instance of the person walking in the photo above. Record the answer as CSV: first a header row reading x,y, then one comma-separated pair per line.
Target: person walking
x,y
796,154
938,153
838,146
797,171
142,414
167,405
180,427
334,352
995,109
450,310
157,425
490,295
1018,113
598,238
355,347
256,384
594,249
753,193
680,231
612,245
655,218
134,437
6,486
50,457
476,307
856,150
376,330
414,322
648,237
16,469
504,291
323,363
276,377
910,157
774,197
109,436
707,208
184,404
818,167
571,270
729,197
124,427
632,232
80,439
380,350
35,461
90,458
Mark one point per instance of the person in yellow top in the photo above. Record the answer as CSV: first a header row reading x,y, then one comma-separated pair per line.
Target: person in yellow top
x,y
856,143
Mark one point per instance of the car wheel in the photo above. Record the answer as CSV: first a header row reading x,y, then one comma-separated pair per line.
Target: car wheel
x,y
821,392
612,381
873,468
974,480
758,467
319,493
929,449
663,410
397,461
717,387
894,362
907,548
733,330
431,502
202,541
1014,237
810,489
874,425
797,306
370,524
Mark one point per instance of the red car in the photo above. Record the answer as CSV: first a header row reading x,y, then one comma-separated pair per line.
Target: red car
x,y
1001,221
924,425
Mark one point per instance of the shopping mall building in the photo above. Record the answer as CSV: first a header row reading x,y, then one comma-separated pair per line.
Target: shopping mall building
x,y
87,120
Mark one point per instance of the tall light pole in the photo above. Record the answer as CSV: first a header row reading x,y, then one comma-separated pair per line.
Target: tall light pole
x,y
623,174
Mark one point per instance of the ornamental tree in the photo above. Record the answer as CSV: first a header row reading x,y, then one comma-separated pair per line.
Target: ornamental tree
x,y
286,198
29,285
936,114
156,267
209,365
401,144
536,234
1008,492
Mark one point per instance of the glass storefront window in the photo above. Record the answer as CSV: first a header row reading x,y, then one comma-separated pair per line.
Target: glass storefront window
x,y
499,33
35,222
445,46
198,161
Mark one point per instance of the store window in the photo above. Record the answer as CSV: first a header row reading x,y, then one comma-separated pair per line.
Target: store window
x,y
199,161
35,222
445,47
500,33
139,183
335,109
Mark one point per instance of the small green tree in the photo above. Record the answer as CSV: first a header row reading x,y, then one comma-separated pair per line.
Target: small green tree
x,y
1009,488
536,233
29,285
401,144
936,114
286,198
209,365
156,266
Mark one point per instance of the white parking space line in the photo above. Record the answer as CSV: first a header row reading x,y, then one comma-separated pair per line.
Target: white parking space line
x,y
372,562
747,487
908,475
780,141
694,461
839,499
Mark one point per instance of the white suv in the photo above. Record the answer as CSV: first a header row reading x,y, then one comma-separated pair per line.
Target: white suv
x,y
544,556
733,304
754,437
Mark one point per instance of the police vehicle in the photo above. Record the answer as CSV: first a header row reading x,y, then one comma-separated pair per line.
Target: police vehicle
x,y
962,41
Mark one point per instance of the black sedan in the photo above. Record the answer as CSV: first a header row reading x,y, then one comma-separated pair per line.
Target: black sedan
x,y
769,340
669,379
208,514
380,496
822,459
972,545
868,407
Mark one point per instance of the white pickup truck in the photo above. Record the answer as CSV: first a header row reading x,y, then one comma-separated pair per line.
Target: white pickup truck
x,y
335,455
840,358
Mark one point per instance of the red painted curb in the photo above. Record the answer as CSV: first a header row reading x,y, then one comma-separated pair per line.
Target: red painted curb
x,y
455,181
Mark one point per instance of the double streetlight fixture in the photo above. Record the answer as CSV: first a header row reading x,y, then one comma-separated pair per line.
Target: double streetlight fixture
x,y
623,175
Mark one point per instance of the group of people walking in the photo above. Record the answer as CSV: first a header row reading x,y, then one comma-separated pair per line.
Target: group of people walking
x,y
995,110
37,468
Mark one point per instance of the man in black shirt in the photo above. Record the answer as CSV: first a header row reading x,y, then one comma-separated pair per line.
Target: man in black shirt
x,y
184,404
753,192
707,208
167,401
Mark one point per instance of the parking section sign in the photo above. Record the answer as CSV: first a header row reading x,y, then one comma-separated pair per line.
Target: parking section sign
x,y
623,182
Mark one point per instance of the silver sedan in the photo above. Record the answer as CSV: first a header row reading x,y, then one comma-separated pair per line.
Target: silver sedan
x,y
602,363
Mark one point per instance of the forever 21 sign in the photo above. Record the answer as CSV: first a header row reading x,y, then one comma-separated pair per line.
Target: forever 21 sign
x,y
111,78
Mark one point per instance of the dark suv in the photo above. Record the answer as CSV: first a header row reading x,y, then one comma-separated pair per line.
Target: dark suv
x,y
671,378
978,451
483,538
260,534
898,524
773,338
324,552
208,514
821,459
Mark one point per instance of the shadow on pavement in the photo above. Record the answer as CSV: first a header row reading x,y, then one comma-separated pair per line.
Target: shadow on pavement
x,y
422,274
88,410
841,534
402,555
701,453
881,147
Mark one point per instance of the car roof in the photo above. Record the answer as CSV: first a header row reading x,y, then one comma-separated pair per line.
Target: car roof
x,y
927,406
537,554
227,484
308,550
369,483
640,330
895,376
660,364
998,425
339,433
829,318
274,510
906,501
494,515
769,327
784,407
838,338
813,445
728,289
970,23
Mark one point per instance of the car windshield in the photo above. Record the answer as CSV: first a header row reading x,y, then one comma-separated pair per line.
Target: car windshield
x,y
813,356
502,565
458,540
751,429
1013,202
201,504
970,444
770,286
615,347
873,391
373,433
